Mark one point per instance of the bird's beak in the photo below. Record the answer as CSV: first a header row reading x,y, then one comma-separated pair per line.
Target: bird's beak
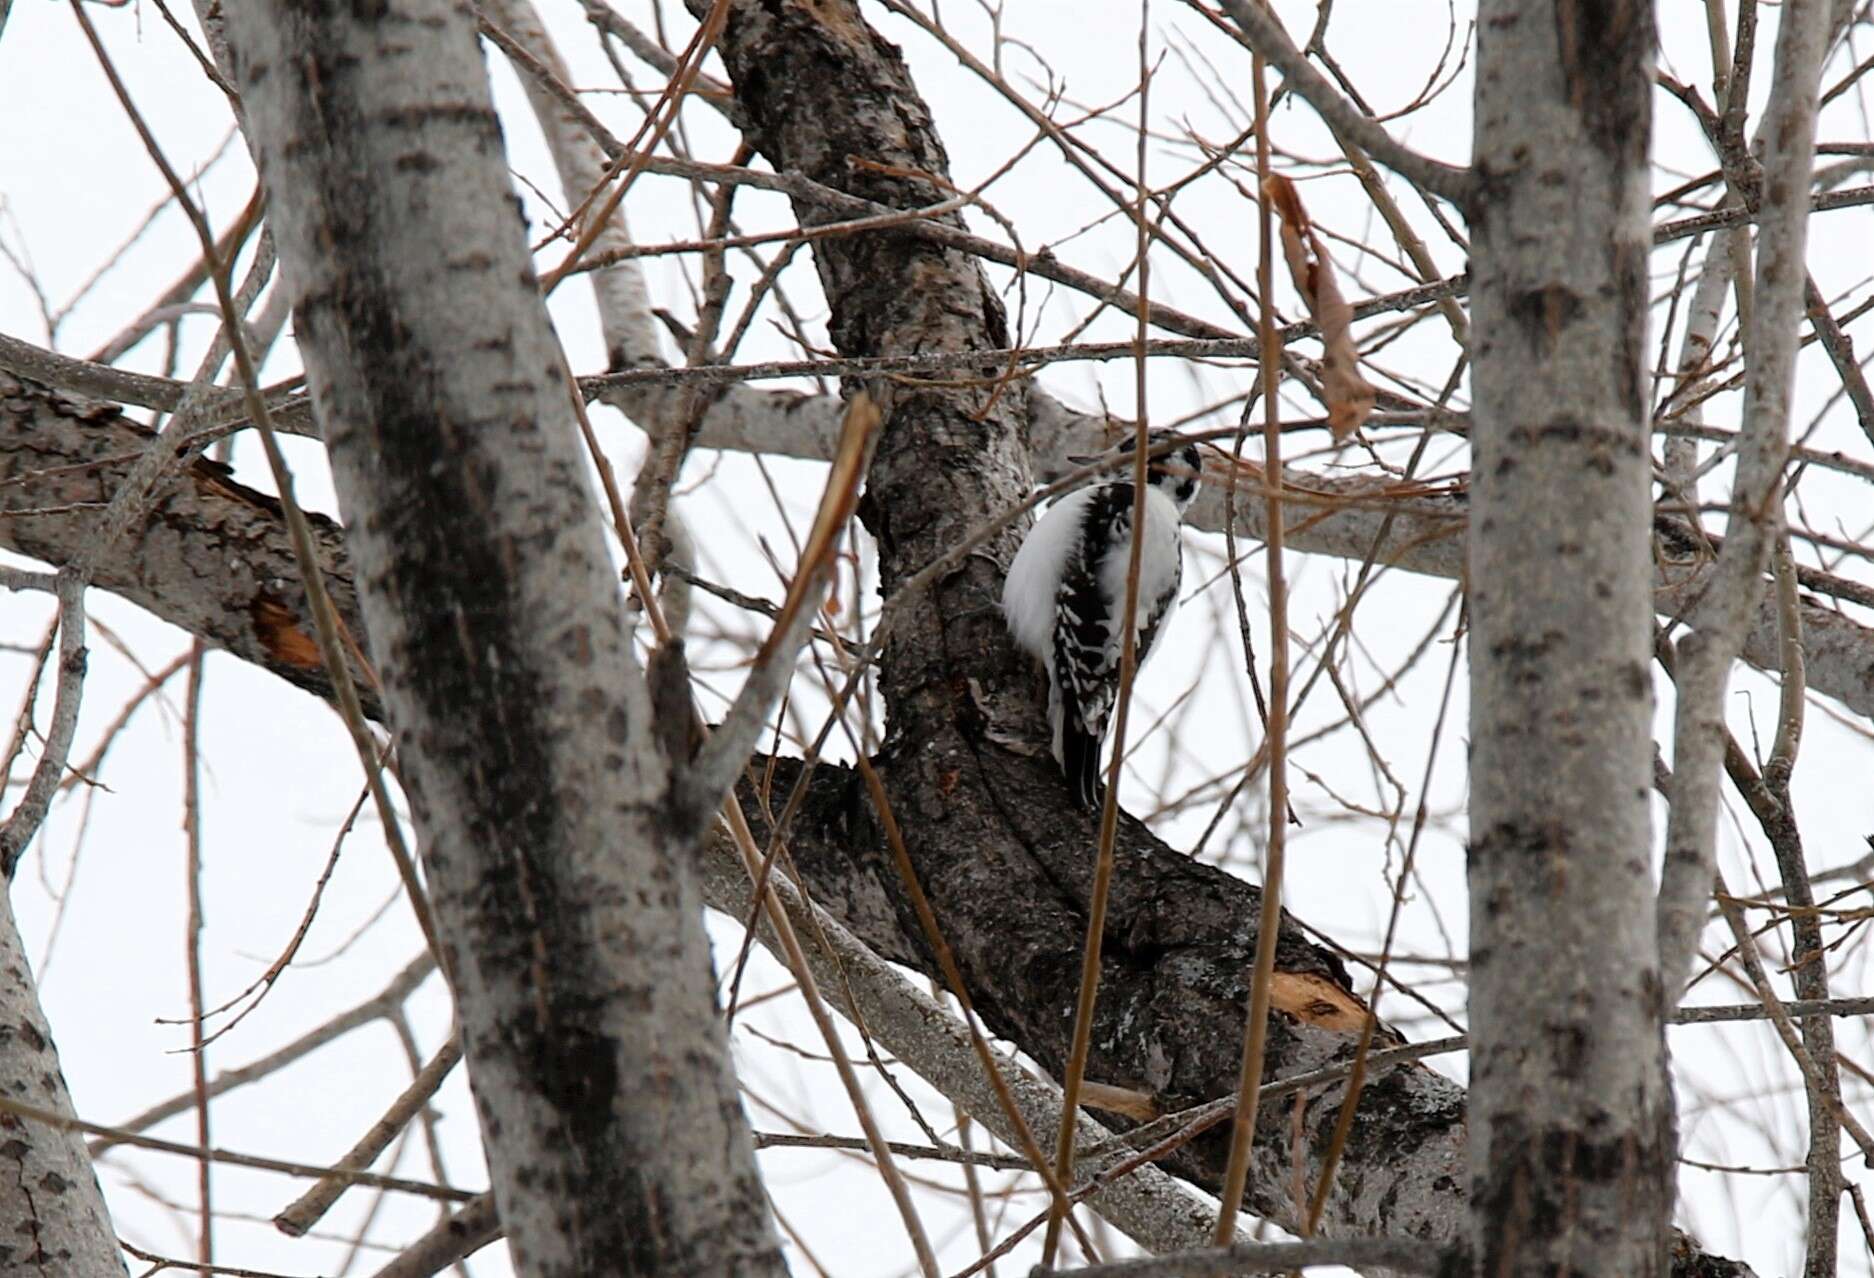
x,y
1107,457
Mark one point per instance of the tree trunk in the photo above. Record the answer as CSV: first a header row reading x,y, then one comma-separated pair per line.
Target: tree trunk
x,y
1004,855
1571,1153
571,927
52,1215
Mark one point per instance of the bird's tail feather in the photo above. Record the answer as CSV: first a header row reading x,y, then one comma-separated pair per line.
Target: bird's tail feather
x,y
1080,760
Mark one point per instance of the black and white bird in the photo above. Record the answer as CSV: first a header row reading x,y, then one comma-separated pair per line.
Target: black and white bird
x,y
1067,587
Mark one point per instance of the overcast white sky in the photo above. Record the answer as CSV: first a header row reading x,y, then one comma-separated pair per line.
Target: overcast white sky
x,y
101,897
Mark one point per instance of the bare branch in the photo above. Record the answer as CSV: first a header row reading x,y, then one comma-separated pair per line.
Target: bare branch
x,y
725,752
1394,1255
310,1207
1264,33
1735,588
454,1239
378,1007
28,814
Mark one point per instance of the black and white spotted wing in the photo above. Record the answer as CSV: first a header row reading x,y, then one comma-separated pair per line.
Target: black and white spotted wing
x,y
1087,639
1067,586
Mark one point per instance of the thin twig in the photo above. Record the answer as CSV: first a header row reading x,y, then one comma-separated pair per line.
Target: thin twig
x,y
286,1167
723,754
1343,1122
1399,1255
379,1006
30,812
661,116
1256,1022
325,617
192,934
1087,996
310,1207
744,841
1024,1138
1265,36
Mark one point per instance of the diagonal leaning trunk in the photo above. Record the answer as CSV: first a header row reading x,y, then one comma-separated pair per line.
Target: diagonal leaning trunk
x,y
52,1214
1571,1152
570,920
1005,857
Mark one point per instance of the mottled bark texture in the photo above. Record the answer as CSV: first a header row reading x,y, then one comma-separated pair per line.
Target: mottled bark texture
x,y
211,557
43,431
1006,858
1571,1149
52,1215
571,928
1004,854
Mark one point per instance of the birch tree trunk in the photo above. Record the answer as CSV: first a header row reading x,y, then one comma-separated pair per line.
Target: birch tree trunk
x,y
571,926
1570,1150
495,623
52,1214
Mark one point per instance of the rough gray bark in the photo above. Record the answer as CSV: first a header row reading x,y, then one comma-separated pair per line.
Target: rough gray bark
x,y
1014,883
1571,1156
212,555
1005,858
170,568
572,928
52,1214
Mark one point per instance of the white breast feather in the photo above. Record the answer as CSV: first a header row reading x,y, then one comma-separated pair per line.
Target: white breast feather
x,y
1031,592
1034,580
1158,565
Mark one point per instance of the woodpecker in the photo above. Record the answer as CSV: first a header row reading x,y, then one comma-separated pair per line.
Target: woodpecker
x,y
1066,589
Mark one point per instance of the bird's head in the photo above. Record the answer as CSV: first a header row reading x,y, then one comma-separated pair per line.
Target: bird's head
x,y
1173,464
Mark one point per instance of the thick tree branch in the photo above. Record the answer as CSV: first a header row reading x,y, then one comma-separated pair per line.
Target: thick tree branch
x,y
1375,1255
211,556
214,560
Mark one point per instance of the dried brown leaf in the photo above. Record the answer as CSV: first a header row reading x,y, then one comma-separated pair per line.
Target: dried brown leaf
x,y
1350,398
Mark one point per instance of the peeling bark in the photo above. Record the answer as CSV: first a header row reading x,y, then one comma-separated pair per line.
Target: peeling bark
x,y
1003,855
212,556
